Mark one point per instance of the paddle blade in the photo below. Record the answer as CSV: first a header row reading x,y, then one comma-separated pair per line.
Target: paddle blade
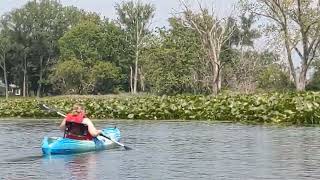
x,y
127,148
44,107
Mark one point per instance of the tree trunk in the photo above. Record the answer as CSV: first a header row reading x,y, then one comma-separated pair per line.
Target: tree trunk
x,y
301,84
141,80
216,81
289,57
219,81
135,83
131,79
25,76
135,79
5,76
40,77
215,63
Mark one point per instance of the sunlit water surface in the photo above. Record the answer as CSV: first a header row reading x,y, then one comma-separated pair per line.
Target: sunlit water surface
x,y
166,150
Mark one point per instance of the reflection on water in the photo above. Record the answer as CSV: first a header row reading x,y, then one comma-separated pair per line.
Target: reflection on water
x,y
167,150
78,166
22,160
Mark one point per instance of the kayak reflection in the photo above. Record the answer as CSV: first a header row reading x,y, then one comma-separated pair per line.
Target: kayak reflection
x,y
77,166
22,160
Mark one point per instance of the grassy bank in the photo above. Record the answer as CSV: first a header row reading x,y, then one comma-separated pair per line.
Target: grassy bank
x,y
279,108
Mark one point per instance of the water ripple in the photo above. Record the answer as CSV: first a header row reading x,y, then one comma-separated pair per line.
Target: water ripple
x,y
166,150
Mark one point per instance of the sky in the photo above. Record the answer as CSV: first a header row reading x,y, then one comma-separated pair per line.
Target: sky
x,y
164,8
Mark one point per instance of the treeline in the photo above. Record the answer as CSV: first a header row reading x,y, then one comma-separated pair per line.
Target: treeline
x,y
50,49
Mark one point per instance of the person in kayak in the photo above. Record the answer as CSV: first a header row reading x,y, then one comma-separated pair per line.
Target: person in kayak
x,y
77,126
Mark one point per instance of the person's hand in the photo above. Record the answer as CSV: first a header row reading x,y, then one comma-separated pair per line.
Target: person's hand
x,y
100,132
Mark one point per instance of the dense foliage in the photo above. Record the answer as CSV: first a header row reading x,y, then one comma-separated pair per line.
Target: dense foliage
x,y
50,49
286,108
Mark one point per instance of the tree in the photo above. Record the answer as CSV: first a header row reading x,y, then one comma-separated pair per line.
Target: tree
x,y
98,48
82,42
34,31
213,33
172,62
314,83
70,76
105,77
273,77
242,62
74,76
135,18
297,24
4,48
251,70
17,29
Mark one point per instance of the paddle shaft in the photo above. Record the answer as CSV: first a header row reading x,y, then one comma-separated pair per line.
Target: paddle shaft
x,y
126,147
61,114
51,109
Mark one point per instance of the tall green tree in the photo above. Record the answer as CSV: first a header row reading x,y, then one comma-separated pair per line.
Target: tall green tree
x,y
97,47
134,16
106,77
70,77
34,30
4,50
172,63
82,42
18,30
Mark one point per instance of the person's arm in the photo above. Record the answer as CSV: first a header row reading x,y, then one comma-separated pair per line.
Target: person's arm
x,y
92,130
63,125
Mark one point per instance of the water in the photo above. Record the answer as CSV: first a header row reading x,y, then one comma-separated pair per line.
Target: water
x,y
166,150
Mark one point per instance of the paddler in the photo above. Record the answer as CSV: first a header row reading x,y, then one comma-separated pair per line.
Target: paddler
x,y
77,126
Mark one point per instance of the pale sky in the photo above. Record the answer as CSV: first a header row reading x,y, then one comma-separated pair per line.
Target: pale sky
x,y
164,8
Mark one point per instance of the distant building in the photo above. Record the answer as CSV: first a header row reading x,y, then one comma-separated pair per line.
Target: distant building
x,y
13,90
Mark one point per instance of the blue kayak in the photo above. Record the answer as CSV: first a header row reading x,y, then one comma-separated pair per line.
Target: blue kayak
x,y
59,145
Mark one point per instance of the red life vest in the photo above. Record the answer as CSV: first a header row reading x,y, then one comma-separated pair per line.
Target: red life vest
x,y
75,129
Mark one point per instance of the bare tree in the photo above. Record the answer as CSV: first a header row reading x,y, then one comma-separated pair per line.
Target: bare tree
x,y
214,33
297,24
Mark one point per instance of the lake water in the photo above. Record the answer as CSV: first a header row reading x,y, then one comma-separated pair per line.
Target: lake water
x,y
166,150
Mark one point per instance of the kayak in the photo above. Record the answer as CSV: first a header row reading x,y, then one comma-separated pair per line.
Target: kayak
x,y
59,145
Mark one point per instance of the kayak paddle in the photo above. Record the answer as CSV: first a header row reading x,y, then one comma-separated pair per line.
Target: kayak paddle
x,y
46,108
125,147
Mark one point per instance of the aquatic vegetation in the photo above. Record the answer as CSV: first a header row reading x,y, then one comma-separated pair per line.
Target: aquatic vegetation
x,y
280,108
